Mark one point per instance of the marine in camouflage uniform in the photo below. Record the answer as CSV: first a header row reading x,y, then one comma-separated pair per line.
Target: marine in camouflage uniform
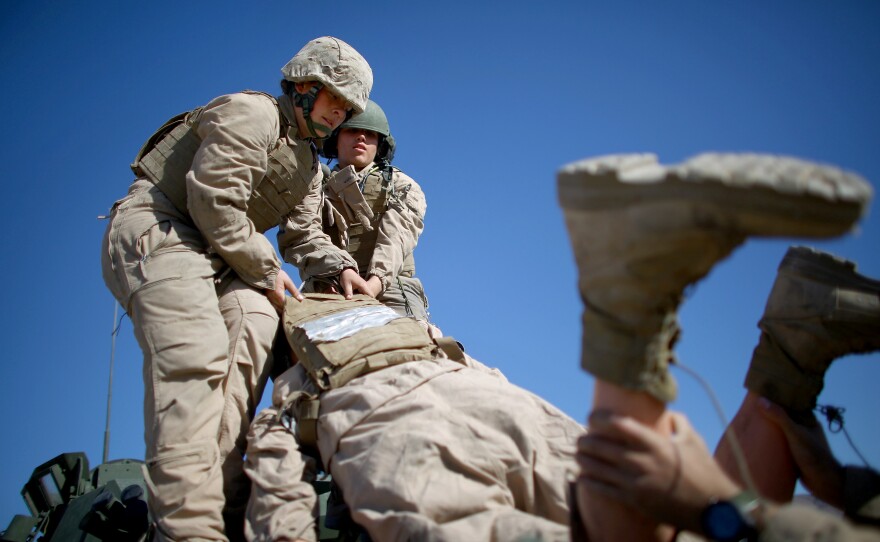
x,y
424,442
185,254
375,212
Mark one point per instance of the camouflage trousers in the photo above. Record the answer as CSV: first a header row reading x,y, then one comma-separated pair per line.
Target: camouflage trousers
x,y
206,362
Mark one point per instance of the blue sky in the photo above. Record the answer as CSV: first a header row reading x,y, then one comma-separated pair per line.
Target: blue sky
x,y
487,100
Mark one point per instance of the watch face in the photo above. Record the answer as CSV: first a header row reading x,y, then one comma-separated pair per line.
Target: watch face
x,y
722,521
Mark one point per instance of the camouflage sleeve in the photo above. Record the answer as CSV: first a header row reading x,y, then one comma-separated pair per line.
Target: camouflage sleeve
x,y
797,522
302,240
399,228
237,131
283,502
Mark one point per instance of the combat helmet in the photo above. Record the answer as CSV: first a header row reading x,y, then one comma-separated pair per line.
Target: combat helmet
x,y
372,119
332,63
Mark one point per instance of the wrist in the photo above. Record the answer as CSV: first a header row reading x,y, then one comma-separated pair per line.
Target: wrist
x,y
380,274
272,280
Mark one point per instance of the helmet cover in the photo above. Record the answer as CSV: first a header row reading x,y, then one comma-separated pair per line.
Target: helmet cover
x,y
335,64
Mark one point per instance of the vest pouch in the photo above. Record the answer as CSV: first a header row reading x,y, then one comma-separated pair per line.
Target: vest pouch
x,y
289,174
337,340
343,184
362,239
155,138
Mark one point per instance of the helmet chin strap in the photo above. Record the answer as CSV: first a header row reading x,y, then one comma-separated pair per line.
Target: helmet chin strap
x,y
307,102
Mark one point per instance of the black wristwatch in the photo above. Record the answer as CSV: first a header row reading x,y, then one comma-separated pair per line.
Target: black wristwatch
x,y
731,520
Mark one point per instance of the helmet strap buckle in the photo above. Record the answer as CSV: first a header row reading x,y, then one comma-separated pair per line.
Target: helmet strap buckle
x,y
306,101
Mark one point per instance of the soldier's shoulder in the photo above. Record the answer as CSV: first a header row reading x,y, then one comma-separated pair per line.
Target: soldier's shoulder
x,y
400,177
246,100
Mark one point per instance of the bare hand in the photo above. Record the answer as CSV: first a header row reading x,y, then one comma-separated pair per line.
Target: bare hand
x,y
283,284
374,286
670,479
351,282
820,472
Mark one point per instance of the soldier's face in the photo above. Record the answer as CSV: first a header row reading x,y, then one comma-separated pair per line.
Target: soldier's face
x,y
357,147
329,110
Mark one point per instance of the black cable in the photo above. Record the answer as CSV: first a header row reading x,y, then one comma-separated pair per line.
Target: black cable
x,y
834,418
119,324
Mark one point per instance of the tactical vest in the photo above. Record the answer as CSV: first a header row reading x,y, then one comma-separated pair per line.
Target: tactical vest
x,y
337,340
362,243
168,154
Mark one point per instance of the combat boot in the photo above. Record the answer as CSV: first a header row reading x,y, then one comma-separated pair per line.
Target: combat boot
x,y
642,232
819,309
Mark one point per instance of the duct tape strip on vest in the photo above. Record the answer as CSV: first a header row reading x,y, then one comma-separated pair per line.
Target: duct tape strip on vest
x,y
340,325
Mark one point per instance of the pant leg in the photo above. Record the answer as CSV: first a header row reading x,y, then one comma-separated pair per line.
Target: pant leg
x,y
183,336
251,323
283,501
156,264
465,456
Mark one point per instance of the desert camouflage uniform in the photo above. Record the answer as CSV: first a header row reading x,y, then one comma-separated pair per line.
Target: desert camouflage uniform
x,y
386,252
206,341
430,449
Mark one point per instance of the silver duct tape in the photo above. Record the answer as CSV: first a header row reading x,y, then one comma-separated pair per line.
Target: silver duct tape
x,y
344,324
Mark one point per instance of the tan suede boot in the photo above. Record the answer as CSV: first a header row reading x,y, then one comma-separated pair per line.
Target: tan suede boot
x,y
642,232
819,309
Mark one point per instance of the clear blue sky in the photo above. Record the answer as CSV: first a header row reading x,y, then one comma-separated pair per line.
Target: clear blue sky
x,y
486,100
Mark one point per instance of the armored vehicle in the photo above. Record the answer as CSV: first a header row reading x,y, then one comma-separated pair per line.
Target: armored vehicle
x,y
70,502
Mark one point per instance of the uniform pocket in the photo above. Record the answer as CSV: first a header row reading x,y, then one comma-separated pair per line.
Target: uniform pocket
x,y
152,240
181,471
170,236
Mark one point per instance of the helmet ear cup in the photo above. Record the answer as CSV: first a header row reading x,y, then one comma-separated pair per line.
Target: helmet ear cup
x,y
386,149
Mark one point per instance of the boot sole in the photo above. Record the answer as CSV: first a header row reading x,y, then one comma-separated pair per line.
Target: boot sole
x,y
826,268
753,194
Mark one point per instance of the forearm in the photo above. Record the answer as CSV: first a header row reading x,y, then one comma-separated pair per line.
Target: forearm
x,y
249,253
236,132
765,450
303,242
387,260
610,519
399,230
